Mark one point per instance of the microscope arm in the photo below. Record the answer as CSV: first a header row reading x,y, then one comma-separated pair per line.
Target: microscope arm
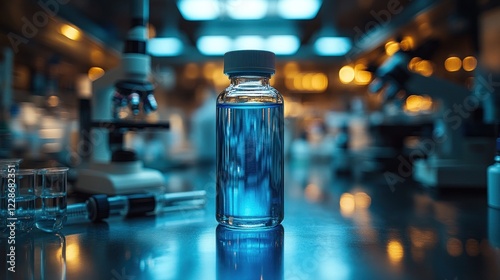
x,y
454,160
452,97
394,76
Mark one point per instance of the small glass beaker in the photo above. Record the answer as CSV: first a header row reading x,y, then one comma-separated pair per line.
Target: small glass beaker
x,y
8,166
52,215
19,201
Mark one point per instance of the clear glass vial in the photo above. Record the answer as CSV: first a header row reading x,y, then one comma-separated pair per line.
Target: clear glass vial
x,y
249,136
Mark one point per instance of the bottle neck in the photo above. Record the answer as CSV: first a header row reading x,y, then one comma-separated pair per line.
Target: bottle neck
x,y
250,80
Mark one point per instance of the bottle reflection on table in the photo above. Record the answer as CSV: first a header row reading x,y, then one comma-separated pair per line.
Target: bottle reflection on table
x,y
494,227
249,253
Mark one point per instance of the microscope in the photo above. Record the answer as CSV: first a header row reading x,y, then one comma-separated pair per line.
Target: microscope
x,y
119,99
461,148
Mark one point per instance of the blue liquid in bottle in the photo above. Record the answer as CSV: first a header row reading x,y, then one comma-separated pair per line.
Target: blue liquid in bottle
x,y
249,143
250,164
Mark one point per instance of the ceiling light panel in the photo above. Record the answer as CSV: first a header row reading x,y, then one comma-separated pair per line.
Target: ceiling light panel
x,y
247,9
298,9
170,46
199,9
214,45
332,46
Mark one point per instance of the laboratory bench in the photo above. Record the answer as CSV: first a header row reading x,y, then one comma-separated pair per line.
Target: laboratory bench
x,y
335,227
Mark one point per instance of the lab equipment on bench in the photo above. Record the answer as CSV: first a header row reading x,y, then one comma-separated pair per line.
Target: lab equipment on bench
x,y
116,104
18,187
53,197
459,153
100,206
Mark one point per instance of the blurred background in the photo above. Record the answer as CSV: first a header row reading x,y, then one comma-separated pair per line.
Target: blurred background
x,y
328,52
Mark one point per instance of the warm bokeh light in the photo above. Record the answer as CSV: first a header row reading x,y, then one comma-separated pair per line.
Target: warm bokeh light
x,y
472,247
347,204
454,247
53,101
308,82
413,63
70,32
407,43
359,67
191,71
362,200
422,238
424,68
346,74
413,103
95,73
417,103
391,48
272,81
219,79
452,64
297,82
469,63
291,68
72,252
362,77
395,251
313,193
151,31
289,83
208,70
319,82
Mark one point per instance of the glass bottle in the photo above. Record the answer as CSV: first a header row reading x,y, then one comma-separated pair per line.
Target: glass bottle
x,y
494,180
249,140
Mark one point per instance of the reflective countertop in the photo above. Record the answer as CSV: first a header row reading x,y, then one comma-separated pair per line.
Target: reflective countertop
x,y
334,228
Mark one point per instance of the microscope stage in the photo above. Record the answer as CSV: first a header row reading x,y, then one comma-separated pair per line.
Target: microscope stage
x,y
123,180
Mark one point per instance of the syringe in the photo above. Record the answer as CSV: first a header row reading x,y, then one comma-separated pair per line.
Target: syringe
x,y
101,206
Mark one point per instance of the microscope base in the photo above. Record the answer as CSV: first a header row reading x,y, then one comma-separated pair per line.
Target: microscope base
x,y
118,178
449,174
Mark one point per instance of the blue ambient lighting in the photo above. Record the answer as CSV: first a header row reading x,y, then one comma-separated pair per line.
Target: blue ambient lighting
x,y
214,45
332,46
298,9
199,9
246,9
283,44
164,46
250,42
218,45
